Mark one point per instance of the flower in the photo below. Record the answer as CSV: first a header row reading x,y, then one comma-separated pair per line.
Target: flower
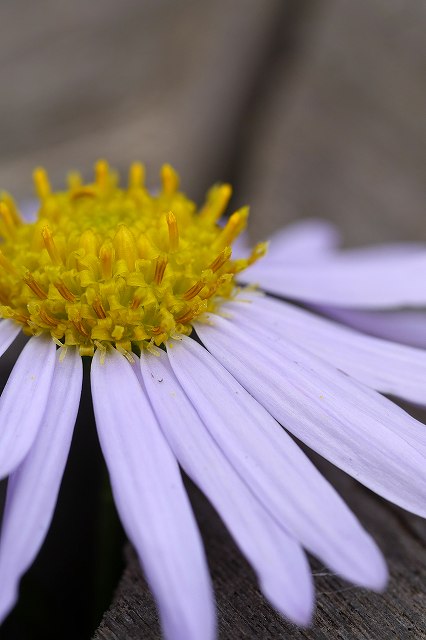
x,y
124,277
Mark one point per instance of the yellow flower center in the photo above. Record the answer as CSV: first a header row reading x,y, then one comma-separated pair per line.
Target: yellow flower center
x,y
106,265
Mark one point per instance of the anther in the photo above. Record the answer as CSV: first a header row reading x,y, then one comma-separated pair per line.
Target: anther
x,y
99,309
170,179
19,317
101,173
160,267
51,247
7,218
173,232
137,299
125,246
223,257
65,292
187,317
47,318
41,183
83,192
136,176
11,205
194,290
89,242
233,228
106,258
217,201
78,324
34,286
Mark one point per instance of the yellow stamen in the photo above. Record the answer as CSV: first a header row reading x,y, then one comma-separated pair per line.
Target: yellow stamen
x,y
50,245
13,209
106,257
83,192
170,179
194,290
173,232
98,308
80,328
34,286
160,267
47,318
221,259
9,227
89,242
233,228
217,201
41,183
101,173
136,176
65,292
125,246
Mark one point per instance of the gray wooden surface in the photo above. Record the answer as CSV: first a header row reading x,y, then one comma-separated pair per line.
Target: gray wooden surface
x,y
311,108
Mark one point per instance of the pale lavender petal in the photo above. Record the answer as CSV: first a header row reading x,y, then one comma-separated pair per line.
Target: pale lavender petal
x,y
370,282
303,241
354,427
385,366
277,559
24,400
34,486
8,332
274,467
405,326
151,500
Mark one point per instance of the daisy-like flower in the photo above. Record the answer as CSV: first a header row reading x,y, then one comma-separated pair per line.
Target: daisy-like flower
x,y
124,278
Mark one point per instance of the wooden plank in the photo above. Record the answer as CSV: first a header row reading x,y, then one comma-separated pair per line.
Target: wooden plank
x,y
343,611
341,132
160,81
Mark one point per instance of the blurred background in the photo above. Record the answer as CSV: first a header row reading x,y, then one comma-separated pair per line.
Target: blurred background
x,y
310,108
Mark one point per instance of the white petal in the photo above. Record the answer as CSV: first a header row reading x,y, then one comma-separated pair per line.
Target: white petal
x,y
24,400
406,326
382,365
346,281
8,332
274,467
277,559
34,486
303,241
151,500
357,429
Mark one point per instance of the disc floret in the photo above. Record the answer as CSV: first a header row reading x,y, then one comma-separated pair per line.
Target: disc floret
x,y
106,265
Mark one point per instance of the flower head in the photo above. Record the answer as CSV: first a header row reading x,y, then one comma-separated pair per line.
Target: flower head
x,y
112,266
126,277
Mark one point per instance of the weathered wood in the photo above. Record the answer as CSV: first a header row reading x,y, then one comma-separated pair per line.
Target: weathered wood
x,y
340,132
343,611
160,81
